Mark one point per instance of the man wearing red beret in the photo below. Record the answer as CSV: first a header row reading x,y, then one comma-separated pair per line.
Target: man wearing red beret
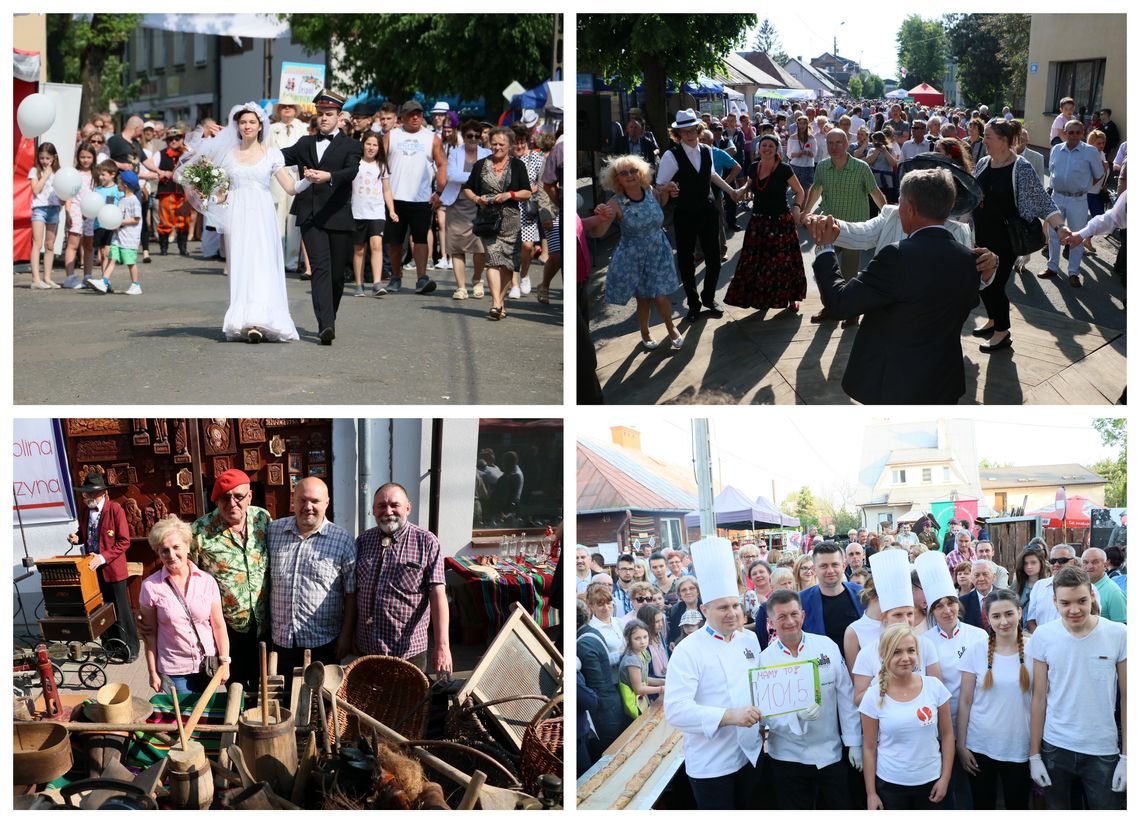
x,y
105,536
229,544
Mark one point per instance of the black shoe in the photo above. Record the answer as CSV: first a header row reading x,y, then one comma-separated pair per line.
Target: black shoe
x,y
820,317
715,309
849,323
1075,281
308,276
1007,342
327,336
694,313
985,334
254,336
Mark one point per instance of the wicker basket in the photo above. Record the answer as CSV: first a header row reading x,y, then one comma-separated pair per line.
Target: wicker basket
x,y
468,722
388,689
542,746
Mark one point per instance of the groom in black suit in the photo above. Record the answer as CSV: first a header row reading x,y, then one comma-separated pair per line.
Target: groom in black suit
x,y
329,160
915,297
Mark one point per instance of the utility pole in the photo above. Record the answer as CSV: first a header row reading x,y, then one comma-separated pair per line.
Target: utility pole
x,y
702,469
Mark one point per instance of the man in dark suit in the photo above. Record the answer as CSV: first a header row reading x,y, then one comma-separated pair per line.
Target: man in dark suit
x,y
915,297
329,160
105,535
984,573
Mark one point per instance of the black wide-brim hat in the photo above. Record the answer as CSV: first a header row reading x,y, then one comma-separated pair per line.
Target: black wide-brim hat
x,y
95,482
969,193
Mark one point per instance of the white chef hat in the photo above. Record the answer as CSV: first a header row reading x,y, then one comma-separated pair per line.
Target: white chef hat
x,y
890,569
715,567
935,577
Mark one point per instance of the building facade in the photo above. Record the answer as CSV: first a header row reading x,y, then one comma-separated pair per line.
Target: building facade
x,y
1012,491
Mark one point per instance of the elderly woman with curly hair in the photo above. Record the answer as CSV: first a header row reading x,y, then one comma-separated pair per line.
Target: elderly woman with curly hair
x,y
642,265
181,609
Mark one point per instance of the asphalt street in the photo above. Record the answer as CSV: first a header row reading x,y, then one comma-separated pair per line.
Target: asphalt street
x,y
166,346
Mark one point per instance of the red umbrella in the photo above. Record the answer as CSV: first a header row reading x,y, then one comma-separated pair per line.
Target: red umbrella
x,y
1076,514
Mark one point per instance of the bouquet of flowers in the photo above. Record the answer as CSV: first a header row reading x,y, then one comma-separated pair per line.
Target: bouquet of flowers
x,y
206,179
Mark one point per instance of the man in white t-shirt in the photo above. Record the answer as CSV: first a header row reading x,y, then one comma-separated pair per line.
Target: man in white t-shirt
x,y
412,151
857,121
283,134
1079,670
1041,609
917,143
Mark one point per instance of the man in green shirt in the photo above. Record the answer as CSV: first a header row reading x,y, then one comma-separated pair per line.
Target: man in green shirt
x,y
229,544
1113,602
845,183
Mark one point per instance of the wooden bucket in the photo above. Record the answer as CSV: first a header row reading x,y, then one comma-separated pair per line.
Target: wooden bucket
x,y
41,752
191,781
113,703
270,751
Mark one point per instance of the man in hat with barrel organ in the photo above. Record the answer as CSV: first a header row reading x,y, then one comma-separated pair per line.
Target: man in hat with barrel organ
x,y
707,696
105,536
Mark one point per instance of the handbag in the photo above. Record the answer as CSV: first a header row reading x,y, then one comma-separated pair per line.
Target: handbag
x,y
1025,236
210,663
488,221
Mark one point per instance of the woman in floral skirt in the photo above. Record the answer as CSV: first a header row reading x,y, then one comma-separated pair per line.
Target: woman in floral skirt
x,y
770,273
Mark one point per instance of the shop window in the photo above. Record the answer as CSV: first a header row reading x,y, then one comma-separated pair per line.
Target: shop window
x,y
518,482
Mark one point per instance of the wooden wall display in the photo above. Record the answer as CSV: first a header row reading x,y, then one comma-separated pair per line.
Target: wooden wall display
x,y
141,436
100,448
284,421
277,445
157,509
85,470
83,426
251,459
161,436
118,475
181,443
186,503
276,474
134,517
251,430
223,464
218,436
184,478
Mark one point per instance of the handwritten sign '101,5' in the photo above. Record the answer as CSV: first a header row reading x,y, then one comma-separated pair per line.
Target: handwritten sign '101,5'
x,y
785,687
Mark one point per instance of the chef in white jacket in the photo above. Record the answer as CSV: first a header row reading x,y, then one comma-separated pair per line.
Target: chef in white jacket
x,y
805,748
707,696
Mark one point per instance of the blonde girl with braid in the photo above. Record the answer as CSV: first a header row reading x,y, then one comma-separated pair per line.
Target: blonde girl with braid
x,y
908,738
993,708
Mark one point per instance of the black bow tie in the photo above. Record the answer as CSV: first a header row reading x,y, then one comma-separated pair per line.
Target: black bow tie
x,y
321,136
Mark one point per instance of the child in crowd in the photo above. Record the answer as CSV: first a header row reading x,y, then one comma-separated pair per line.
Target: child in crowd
x,y
80,229
45,214
125,242
691,621
634,681
371,201
107,176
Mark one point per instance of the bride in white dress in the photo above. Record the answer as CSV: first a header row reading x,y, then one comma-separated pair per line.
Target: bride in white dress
x,y
259,304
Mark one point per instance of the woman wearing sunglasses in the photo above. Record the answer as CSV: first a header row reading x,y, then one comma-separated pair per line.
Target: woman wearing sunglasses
x,y
461,241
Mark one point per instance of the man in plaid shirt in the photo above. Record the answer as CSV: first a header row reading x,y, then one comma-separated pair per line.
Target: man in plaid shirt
x,y
312,564
399,585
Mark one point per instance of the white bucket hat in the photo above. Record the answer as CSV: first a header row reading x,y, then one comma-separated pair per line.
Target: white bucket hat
x,y
687,118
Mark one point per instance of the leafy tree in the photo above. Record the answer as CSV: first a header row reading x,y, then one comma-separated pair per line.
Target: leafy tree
x,y
1012,32
399,54
1114,432
855,87
922,51
804,505
768,39
986,463
873,87
87,49
991,51
626,49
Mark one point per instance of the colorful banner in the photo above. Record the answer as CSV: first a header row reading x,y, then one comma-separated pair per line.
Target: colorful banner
x,y
40,483
300,82
948,510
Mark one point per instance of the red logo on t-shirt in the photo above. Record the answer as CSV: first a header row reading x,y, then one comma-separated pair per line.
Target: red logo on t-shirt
x,y
925,715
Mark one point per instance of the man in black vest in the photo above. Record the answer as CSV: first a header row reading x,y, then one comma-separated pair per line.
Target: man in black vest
x,y
330,160
686,173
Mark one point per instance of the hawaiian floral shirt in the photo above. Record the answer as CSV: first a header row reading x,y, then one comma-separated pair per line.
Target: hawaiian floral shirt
x,y
242,571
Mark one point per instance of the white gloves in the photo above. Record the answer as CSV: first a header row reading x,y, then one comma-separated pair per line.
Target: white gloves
x,y
1120,776
810,713
302,184
1038,773
855,757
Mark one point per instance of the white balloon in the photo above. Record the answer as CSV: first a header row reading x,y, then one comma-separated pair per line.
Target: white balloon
x,y
90,203
35,115
67,182
110,217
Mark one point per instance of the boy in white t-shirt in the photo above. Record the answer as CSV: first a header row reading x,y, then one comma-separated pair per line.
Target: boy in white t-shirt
x,y
125,242
1078,670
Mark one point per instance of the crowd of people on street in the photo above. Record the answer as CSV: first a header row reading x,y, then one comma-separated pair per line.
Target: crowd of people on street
x,y
385,209
235,578
946,680
851,159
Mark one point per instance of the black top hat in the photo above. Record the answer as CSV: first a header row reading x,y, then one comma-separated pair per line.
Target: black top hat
x,y
95,482
969,192
328,99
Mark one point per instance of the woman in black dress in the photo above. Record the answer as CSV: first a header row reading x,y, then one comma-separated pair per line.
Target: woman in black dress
x,y
771,268
1011,188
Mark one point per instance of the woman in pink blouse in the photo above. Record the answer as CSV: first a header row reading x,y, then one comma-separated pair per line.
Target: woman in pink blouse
x,y
181,608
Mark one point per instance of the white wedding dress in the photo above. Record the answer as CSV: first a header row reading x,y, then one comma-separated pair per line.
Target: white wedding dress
x,y
253,249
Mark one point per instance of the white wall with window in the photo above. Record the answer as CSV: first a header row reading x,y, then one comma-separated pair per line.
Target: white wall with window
x,y
671,533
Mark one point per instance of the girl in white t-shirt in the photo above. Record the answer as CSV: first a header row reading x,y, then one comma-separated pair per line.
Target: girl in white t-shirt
x,y
371,201
993,708
80,229
868,662
908,738
45,214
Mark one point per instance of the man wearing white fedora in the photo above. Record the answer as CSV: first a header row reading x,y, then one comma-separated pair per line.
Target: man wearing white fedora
x,y
686,174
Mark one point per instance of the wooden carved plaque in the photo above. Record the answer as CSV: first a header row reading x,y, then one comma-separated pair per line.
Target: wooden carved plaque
x,y
277,445
186,503
86,470
276,474
99,448
223,464
184,478
83,426
251,430
141,436
181,442
251,459
283,421
218,436
134,517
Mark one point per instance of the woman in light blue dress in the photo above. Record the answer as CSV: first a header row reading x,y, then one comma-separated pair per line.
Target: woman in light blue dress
x,y
642,265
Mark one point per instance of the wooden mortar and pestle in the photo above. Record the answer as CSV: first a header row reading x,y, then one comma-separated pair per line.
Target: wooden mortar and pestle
x,y
191,780
268,739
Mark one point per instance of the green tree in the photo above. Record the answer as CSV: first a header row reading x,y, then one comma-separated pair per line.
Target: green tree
x,y
991,61
768,41
1114,432
873,86
399,54
855,87
627,49
986,463
804,505
922,51
87,50
1012,32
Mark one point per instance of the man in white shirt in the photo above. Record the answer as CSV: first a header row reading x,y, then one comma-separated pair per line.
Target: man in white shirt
x,y
857,121
1041,607
707,695
582,571
917,143
805,748
906,538
283,134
